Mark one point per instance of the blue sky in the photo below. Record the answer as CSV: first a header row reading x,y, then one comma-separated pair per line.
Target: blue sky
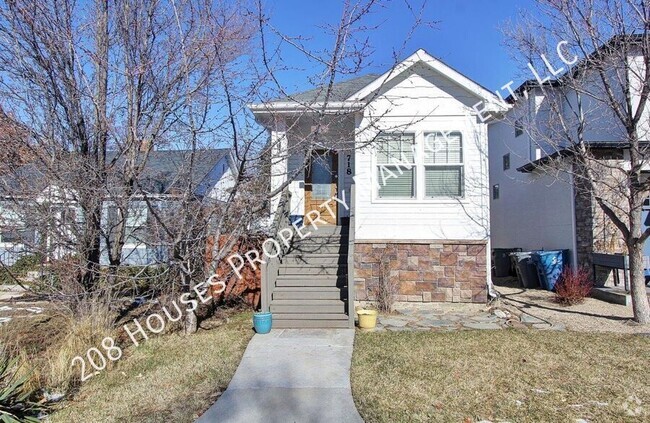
x,y
467,36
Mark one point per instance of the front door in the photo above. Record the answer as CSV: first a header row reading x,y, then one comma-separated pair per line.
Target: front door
x,y
321,186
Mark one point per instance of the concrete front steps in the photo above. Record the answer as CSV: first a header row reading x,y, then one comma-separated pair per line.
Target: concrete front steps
x,y
311,287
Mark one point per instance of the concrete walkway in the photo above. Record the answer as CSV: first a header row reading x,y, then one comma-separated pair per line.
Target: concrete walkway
x,y
291,375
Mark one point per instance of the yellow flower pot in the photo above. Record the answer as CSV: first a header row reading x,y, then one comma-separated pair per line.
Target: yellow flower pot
x,y
367,318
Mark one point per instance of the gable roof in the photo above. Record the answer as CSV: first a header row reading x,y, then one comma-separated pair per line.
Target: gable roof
x,y
340,91
609,46
163,171
353,92
163,168
436,65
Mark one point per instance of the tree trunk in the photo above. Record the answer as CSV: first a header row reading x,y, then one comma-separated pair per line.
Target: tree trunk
x,y
640,304
191,322
91,248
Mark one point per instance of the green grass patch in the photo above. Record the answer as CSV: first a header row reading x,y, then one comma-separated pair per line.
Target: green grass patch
x,y
522,376
168,378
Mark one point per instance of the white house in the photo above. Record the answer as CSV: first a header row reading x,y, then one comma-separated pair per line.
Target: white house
x,y
405,156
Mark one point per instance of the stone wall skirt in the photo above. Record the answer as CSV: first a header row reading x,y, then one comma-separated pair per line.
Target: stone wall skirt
x,y
441,271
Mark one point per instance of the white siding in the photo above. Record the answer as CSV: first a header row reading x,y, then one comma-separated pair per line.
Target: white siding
x,y
297,186
225,180
637,74
420,101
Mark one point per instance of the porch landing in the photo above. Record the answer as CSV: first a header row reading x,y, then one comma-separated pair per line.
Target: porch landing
x,y
291,375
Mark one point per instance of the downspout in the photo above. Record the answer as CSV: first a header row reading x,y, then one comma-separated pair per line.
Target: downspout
x,y
574,237
485,170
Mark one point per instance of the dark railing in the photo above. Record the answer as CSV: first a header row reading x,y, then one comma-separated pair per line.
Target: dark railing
x,y
351,258
270,265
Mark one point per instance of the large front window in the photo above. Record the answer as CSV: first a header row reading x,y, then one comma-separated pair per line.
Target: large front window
x,y
426,165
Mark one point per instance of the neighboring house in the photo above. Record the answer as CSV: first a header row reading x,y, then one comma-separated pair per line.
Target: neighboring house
x,y
161,180
535,206
530,208
425,227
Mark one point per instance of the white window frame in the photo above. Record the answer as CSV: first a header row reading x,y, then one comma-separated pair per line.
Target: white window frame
x,y
419,185
397,168
460,165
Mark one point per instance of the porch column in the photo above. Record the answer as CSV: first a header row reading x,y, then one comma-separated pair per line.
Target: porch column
x,y
279,162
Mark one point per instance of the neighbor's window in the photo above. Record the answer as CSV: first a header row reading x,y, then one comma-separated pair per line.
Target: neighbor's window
x,y
395,166
495,191
506,161
9,224
136,221
519,128
443,164
11,236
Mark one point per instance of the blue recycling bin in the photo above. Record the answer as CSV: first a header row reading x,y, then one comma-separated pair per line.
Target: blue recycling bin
x,y
549,266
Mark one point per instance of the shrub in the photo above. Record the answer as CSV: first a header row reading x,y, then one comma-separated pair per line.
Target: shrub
x,y
80,334
15,403
27,263
386,288
573,286
20,268
44,346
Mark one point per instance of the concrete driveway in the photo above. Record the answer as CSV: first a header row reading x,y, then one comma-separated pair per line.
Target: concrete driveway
x,y
291,375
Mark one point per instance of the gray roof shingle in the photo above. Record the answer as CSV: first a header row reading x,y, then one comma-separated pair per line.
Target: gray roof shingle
x,y
340,90
164,169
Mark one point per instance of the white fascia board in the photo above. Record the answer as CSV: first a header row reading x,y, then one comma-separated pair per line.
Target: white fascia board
x,y
293,107
492,102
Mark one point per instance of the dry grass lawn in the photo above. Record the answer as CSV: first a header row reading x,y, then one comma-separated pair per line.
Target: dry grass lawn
x,y
515,376
170,378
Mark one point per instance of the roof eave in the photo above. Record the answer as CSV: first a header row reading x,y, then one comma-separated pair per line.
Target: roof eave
x,y
293,107
436,64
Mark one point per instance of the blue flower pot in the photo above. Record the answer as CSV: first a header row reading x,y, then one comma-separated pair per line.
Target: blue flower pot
x,y
262,322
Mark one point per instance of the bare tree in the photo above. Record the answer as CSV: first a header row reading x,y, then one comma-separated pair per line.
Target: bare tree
x,y
603,96
99,87
102,86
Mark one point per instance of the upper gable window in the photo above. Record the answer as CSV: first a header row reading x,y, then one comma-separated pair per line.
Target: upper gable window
x,y
519,127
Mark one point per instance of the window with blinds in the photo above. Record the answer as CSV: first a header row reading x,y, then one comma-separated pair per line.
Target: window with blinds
x,y
443,165
396,166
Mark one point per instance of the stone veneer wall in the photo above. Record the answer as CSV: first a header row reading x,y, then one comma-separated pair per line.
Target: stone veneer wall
x,y
450,271
595,233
